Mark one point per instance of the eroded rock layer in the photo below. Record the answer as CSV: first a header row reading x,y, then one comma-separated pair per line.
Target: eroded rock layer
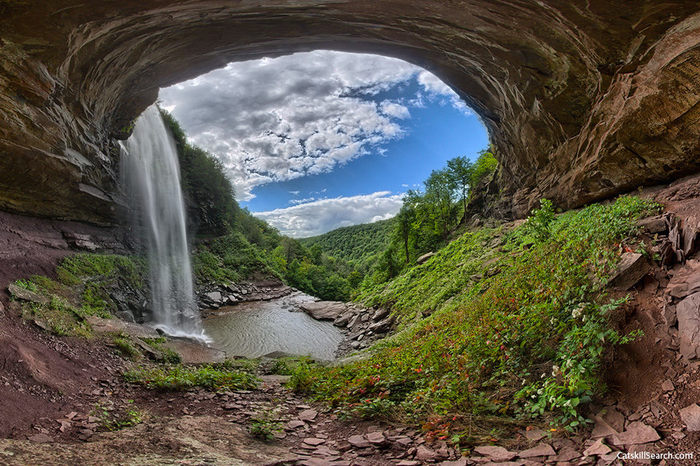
x,y
583,99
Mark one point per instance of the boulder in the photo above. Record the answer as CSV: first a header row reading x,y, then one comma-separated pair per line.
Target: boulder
x,y
24,294
632,268
343,319
381,327
324,310
422,259
380,314
654,225
358,441
213,297
688,314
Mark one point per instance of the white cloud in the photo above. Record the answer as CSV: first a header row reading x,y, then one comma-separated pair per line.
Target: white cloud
x,y
278,119
320,216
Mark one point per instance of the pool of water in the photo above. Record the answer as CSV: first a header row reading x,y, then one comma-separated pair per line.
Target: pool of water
x,y
259,328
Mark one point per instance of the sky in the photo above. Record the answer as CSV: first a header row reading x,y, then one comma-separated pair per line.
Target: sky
x,y
319,140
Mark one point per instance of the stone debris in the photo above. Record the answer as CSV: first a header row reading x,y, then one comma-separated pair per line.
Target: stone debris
x,y
691,417
688,312
598,448
636,433
631,269
543,449
495,453
308,415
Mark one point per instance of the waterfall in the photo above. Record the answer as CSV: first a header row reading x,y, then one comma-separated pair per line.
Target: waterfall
x,y
150,175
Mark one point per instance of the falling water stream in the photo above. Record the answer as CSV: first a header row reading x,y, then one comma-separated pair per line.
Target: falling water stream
x,y
151,178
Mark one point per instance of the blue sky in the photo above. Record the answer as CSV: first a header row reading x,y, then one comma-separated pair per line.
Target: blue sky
x,y
314,141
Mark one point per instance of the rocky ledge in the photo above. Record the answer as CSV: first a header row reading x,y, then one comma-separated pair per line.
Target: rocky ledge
x,y
362,326
214,296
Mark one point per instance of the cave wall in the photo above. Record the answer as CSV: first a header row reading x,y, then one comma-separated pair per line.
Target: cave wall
x,y
583,99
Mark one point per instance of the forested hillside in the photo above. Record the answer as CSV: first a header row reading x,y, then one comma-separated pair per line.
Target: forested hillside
x,y
355,243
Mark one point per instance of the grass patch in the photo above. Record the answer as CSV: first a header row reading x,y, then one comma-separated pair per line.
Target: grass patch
x,y
518,327
182,378
123,344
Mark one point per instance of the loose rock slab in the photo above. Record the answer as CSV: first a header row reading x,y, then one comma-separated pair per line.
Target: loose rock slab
x,y
688,312
495,453
637,433
691,417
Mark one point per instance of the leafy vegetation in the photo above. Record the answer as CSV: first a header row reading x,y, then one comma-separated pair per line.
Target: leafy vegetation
x,y
265,425
181,378
111,419
83,288
518,326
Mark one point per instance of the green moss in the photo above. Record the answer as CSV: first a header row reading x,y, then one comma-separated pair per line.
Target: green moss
x,y
518,325
82,289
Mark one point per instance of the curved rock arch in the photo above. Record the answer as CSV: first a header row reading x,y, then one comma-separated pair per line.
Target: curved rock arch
x,y
583,99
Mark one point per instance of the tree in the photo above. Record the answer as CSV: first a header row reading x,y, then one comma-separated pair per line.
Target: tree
x,y
461,170
439,192
404,226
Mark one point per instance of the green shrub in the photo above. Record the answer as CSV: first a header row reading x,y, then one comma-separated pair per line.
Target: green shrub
x,y
181,378
265,425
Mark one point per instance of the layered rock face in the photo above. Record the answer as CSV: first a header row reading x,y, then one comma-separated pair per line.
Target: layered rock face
x,y
583,99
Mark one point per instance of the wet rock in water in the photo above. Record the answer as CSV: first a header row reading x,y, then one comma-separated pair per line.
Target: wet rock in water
x,y
324,310
691,417
632,268
213,297
688,314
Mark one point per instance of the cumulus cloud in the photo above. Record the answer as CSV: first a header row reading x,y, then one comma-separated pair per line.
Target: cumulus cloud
x,y
320,216
277,119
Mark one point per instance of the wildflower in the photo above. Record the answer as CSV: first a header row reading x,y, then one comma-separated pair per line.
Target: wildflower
x,y
555,370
